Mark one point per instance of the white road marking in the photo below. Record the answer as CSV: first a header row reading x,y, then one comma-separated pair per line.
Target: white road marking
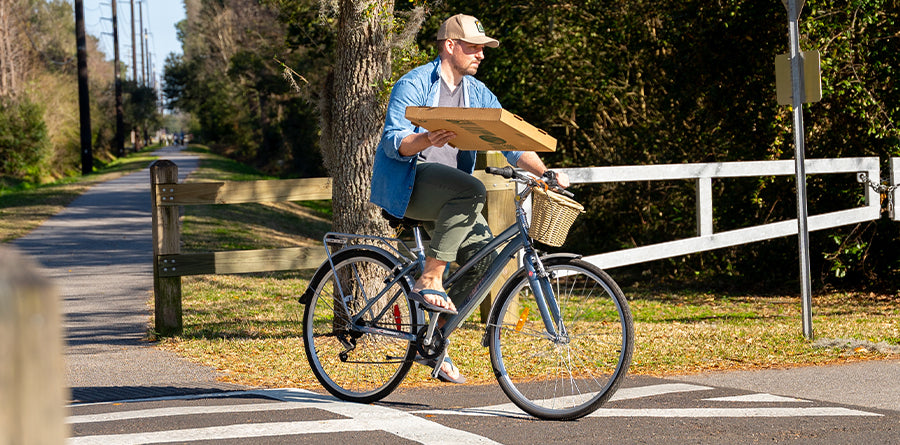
x,y
731,412
410,425
187,410
758,398
359,418
655,390
511,410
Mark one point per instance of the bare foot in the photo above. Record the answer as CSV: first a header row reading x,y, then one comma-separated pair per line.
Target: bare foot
x,y
436,300
450,370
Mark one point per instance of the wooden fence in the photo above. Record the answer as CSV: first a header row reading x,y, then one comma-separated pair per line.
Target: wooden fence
x,y
32,374
169,265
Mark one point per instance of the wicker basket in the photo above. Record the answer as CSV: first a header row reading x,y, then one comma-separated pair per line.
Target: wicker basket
x,y
552,215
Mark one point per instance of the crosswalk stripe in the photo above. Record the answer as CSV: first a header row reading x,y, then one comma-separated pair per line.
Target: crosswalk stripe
x,y
731,412
188,410
511,410
758,398
411,425
359,418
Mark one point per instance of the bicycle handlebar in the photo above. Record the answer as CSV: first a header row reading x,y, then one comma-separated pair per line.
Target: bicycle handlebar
x,y
510,173
506,172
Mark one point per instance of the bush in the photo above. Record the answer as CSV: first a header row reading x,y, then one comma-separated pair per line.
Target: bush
x,y
24,143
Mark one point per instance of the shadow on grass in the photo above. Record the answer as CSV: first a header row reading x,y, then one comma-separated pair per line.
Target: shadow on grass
x,y
244,329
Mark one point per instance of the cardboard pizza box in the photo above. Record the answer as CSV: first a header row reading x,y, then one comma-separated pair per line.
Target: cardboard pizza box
x,y
483,128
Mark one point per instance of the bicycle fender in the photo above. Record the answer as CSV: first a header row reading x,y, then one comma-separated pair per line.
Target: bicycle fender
x,y
320,273
325,268
552,258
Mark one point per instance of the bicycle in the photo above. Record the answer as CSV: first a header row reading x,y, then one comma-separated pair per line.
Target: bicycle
x,y
557,317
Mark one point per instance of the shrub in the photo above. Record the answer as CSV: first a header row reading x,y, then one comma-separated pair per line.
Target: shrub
x,y
24,143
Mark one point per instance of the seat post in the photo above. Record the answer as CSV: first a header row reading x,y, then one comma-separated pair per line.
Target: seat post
x,y
419,250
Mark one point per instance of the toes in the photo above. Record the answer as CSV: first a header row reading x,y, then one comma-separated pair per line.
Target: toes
x,y
451,370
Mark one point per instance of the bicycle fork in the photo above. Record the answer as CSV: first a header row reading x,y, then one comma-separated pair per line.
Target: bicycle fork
x,y
548,305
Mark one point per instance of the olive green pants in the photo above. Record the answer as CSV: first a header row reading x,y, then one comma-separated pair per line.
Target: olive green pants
x,y
449,202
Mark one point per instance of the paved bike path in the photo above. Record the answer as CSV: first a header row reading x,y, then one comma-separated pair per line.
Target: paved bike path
x,y
98,253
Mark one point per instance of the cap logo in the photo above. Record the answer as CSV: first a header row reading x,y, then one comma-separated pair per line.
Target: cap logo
x,y
479,27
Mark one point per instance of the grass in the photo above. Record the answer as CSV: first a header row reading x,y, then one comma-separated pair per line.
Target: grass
x,y
249,226
248,326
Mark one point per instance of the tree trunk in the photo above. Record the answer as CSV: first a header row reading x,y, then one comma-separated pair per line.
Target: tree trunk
x,y
353,113
12,61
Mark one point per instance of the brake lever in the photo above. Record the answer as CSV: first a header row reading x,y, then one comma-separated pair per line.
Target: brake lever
x,y
548,179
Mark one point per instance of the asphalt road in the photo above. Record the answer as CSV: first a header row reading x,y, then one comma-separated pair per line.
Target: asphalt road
x,y
98,253
645,410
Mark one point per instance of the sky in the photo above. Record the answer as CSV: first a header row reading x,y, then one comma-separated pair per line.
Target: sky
x,y
160,17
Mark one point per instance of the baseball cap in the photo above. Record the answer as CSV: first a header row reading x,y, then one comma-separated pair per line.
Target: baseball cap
x,y
466,28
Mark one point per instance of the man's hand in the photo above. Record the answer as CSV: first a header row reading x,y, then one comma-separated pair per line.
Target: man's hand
x,y
554,177
418,142
439,138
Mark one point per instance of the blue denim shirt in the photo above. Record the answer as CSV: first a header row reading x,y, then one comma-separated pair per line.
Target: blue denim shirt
x,y
393,174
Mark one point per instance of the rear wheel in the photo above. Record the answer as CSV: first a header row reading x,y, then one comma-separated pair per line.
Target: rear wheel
x,y
569,375
350,364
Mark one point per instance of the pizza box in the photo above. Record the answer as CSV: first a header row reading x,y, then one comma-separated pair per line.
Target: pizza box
x,y
483,128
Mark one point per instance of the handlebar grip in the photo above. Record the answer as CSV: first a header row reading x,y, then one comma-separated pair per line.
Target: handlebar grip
x,y
506,172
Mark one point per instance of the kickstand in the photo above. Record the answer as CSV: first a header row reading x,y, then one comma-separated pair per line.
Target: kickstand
x,y
438,363
429,338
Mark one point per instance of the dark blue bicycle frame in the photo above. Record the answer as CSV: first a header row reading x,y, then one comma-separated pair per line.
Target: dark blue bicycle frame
x,y
515,238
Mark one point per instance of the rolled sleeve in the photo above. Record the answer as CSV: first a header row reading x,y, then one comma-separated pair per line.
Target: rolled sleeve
x,y
396,125
513,157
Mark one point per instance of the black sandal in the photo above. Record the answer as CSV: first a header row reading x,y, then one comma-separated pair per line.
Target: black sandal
x,y
418,297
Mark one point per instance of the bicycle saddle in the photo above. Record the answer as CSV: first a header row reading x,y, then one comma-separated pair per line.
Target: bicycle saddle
x,y
395,222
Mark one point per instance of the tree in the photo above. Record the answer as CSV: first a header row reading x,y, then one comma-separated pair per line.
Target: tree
x,y
352,110
37,67
642,82
14,59
230,81
23,138
140,110
634,82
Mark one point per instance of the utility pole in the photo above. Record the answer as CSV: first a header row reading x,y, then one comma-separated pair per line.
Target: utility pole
x,y
148,65
84,97
120,123
133,47
141,30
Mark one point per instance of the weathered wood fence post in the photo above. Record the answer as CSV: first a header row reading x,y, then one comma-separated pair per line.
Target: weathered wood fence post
x,y
32,386
166,241
499,210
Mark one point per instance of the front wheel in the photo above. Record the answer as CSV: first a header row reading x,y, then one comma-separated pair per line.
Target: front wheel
x,y
569,375
350,364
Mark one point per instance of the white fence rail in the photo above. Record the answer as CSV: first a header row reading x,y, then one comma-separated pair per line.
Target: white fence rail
x,y
703,174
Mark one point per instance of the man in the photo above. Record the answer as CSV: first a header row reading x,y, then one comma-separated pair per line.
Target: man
x,y
417,174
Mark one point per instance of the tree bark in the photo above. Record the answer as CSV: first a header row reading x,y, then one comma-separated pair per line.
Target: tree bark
x,y
12,57
353,111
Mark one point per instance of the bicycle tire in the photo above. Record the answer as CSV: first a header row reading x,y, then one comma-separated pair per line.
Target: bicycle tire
x,y
378,363
569,377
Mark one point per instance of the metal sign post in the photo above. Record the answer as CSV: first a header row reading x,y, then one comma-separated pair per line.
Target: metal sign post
x,y
798,96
